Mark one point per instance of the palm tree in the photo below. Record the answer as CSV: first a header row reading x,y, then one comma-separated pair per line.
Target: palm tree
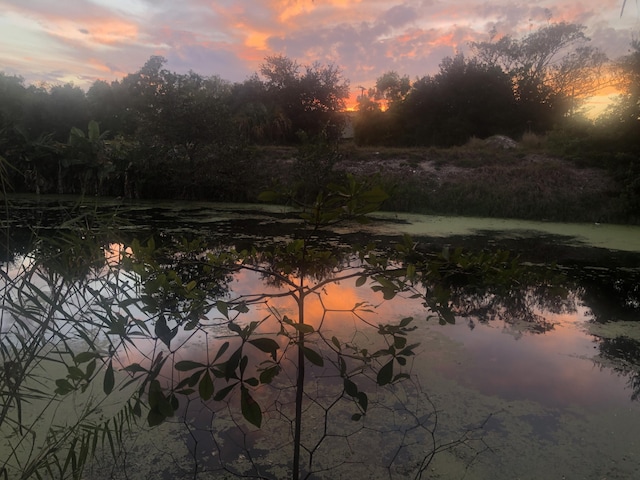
x,y
88,150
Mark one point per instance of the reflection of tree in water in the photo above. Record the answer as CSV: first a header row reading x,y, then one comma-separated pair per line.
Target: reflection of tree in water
x,y
359,409
352,399
612,294
492,286
623,356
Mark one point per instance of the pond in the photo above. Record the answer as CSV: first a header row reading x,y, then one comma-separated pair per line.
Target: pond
x,y
209,341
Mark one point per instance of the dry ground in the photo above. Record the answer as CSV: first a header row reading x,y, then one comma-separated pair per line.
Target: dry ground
x,y
481,179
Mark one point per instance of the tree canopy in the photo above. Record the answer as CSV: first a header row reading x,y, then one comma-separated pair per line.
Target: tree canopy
x,y
551,69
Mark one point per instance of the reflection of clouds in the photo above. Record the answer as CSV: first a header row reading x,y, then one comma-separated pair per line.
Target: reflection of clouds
x,y
548,368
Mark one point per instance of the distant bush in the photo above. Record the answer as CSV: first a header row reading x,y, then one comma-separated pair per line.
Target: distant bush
x,y
532,140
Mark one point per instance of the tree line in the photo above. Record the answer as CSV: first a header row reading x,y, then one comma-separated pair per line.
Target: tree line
x,y
508,86
157,133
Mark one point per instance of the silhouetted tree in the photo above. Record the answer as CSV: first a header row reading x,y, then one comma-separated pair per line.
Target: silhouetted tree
x,y
392,88
258,118
465,98
622,118
312,100
552,69
183,119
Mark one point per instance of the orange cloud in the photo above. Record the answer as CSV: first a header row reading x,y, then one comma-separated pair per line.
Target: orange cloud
x,y
289,9
107,32
112,31
257,40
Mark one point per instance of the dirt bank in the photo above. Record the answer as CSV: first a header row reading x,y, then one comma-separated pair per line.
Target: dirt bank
x,y
486,181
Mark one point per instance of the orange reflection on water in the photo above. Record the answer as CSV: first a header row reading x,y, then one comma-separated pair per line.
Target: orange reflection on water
x,y
495,358
114,252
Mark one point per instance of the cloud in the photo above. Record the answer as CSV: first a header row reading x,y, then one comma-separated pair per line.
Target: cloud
x,y
207,62
399,15
88,39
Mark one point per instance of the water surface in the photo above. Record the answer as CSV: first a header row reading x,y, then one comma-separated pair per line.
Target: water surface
x,y
543,382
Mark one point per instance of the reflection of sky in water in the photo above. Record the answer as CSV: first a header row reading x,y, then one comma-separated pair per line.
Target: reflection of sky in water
x,y
553,369
498,360
495,358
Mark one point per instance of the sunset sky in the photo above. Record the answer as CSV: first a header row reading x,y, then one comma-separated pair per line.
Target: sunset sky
x,y
80,41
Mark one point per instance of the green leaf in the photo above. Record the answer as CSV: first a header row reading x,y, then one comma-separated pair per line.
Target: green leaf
x,y
64,386
155,394
411,271
109,379
267,345
155,418
85,357
186,365
313,356
244,361
363,401
231,364
223,308
174,402
361,281
163,332
241,308
266,376
336,342
385,375
343,366
408,350
137,409
223,348
234,327
205,388
75,373
399,342
376,195
91,367
221,394
303,327
135,368
93,130
251,410
193,380
388,293
350,388
406,321
356,416
253,381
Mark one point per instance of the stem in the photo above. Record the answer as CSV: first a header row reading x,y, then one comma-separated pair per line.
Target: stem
x,y
299,384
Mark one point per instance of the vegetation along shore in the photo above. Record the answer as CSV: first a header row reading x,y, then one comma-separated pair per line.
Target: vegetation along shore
x,y
503,132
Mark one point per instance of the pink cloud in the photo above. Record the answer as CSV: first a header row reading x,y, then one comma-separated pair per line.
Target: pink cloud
x,y
364,38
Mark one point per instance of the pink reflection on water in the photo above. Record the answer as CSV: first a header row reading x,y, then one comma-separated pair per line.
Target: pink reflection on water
x,y
552,368
496,358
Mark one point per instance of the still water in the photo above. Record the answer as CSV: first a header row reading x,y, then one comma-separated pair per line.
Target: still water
x,y
536,380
